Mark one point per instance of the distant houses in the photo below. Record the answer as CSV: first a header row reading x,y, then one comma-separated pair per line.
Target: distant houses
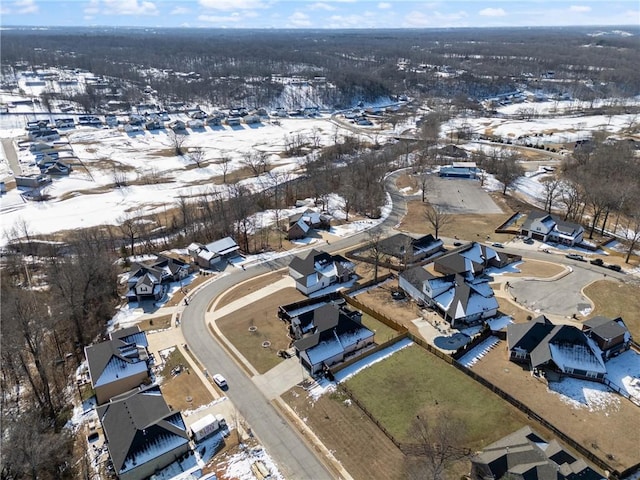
x,y
317,270
301,224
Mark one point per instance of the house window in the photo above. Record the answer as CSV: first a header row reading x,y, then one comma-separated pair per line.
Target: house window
x,y
568,371
591,374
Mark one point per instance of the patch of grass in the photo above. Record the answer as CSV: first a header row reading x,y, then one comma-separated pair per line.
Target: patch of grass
x,y
615,299
382,332
412,382
157,323
246,288
539,269
354,439
263,316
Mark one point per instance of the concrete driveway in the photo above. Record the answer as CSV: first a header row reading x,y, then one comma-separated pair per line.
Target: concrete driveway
x,y
460,196
557,297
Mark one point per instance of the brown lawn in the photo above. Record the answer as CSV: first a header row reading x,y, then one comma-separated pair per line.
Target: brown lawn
x,y
352,437
465,226
184,391
156,323
600,431
269,328
537,268
248,287
615,299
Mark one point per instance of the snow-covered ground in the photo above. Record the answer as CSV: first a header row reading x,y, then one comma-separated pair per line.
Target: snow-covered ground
x,y
585,394
624,371
474,355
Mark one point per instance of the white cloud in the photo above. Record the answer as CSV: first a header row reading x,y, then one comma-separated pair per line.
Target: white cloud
x,y
579,8
130,7
322,6
233,18
384,5
92,9
417,19
230,5
180,11
299,19
25,6
492,12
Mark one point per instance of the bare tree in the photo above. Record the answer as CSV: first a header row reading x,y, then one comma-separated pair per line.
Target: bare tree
x,y
508,171
437,217
177,141
375,251
225,160
197,156
439,438
131,227
551,186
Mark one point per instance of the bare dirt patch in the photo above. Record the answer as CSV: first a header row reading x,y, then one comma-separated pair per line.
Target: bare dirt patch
x,y
352,437
268,328
615,299
598,430
519,315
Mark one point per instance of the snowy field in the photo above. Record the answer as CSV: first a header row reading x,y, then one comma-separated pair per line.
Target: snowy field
x,y
155,176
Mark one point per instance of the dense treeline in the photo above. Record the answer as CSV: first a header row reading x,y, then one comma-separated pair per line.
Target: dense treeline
x,y
235,67
54,302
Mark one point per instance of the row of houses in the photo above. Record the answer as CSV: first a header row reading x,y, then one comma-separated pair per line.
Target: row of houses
x,y
143,434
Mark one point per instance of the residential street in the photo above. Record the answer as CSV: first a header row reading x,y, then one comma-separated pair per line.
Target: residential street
x,y
286,446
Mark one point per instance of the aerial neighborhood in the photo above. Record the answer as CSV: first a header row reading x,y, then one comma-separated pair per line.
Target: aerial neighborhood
x,y
384,254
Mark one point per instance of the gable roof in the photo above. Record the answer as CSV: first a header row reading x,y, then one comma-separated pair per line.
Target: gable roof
x,y
116,358
551,222
223,246
397,245
567,346
316,261
139,426
604,327
526,454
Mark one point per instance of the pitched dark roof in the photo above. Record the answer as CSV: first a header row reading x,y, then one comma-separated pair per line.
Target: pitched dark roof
x,y
416,276
563,226
306,265
526,454
604,327
528,335
138,421
120,346
328,320
398,244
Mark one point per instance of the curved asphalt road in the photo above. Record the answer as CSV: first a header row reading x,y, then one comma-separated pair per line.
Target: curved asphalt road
x,y
285,445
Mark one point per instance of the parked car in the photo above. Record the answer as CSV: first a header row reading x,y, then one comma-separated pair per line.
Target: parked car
x,y
528,241
575,256
597,261
615,268
220,381
457,244
497,245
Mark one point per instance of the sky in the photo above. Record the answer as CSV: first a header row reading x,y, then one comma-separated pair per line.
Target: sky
x,y
318,14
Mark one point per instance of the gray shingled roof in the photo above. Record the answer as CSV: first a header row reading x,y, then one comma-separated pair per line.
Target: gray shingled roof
x,y
525,453
135,420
